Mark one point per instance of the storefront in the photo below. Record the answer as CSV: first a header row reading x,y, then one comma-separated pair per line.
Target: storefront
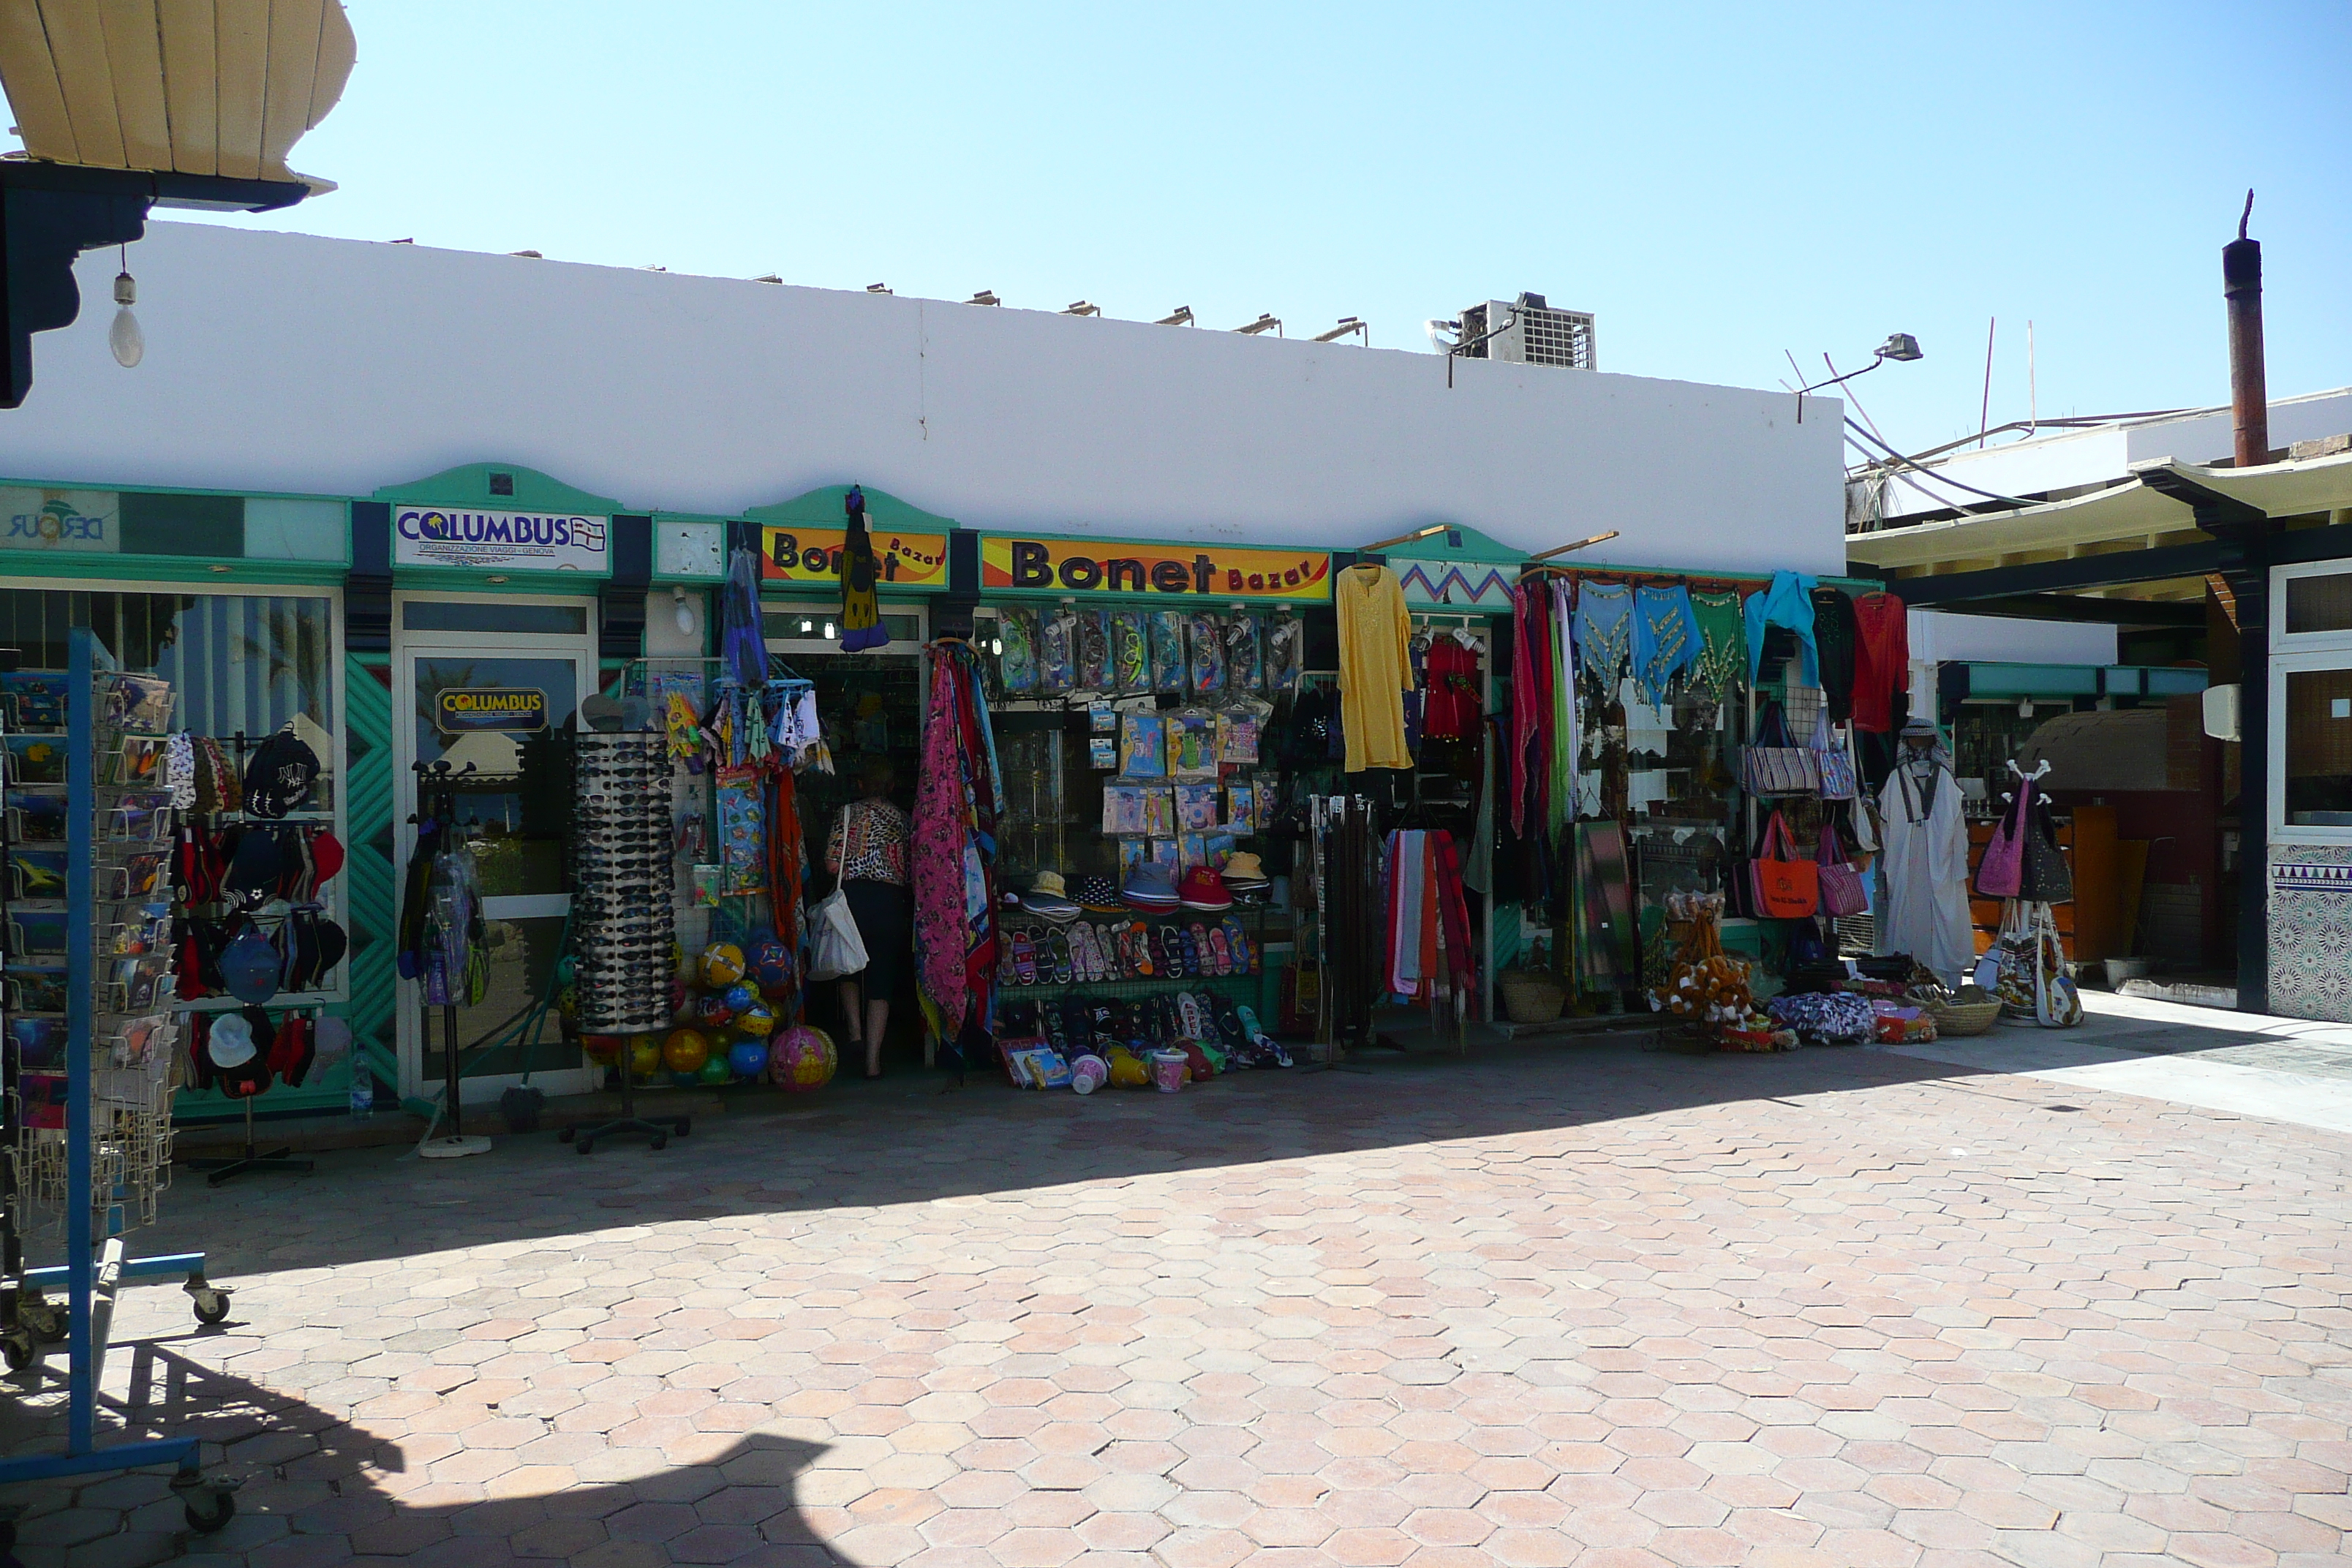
x,y
232,604
2310,790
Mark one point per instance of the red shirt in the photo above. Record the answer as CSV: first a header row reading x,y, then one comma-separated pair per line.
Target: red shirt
x,y
1881,659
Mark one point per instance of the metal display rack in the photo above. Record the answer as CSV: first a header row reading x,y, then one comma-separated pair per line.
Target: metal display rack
x,y
93,1272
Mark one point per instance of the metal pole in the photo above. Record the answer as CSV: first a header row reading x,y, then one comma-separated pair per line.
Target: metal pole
x,y
80,802
2242,287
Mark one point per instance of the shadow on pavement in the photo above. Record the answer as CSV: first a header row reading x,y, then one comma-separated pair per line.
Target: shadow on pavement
x,y
314,1491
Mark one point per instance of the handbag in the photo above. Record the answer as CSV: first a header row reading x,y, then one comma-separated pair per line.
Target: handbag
x,y
1776,764
1842,890
1782,889
2002,868
837,948
1832,760
2044,874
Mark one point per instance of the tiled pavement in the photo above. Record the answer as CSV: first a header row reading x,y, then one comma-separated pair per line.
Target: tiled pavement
x,y
1575,1304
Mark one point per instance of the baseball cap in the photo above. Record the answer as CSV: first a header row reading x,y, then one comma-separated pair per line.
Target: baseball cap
x,y
278,776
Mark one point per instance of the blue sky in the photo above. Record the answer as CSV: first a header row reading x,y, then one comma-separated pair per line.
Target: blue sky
x,y
1720,183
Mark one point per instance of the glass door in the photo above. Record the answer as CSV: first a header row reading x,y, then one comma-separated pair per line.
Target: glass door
x,y
501,711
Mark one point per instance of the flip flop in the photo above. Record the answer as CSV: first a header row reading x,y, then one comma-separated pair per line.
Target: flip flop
x,y
1217,945
1060,949
1138,938
1172,952
1188,1017
1229,1025
1260,1038
1025,955
1193,956
1237,940
1086,963
1006,974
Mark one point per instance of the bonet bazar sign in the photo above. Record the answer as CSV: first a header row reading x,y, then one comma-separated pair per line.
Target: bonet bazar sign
x,y
1091,566
511,541
813,556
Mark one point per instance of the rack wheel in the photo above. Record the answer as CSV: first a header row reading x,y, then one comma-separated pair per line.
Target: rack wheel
x,y
565,1136
685,1125
21,1351
211,1305
220,1507
586,1144
661,1143
43,1321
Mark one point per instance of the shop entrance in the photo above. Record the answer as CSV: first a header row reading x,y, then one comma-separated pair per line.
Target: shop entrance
x,y
493,686
871,704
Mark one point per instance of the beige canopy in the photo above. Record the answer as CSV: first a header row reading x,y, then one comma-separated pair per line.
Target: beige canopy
x,y
197,87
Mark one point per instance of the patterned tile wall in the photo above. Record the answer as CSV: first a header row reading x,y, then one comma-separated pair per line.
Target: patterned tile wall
x,y
2311,933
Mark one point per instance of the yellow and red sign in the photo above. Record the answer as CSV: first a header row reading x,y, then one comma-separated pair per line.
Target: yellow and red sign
x,y
807,557
1110,566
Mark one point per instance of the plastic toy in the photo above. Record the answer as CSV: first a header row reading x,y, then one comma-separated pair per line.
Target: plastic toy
x,y
722,965
801,1058
685,1051
748,1058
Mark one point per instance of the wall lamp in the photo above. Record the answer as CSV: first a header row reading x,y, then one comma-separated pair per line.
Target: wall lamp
x,y
1181,316
1266,323
1899,346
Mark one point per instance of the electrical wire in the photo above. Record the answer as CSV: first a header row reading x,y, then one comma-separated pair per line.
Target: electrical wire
x,y
1930,473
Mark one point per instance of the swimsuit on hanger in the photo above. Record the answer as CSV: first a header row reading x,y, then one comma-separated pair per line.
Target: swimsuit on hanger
x,y
1722,664
1665,639
1604,631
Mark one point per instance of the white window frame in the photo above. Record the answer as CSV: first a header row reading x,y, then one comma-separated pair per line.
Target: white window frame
x,y
2301,661
2280,639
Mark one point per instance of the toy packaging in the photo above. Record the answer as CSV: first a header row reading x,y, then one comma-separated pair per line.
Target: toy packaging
x,y
1093,651
1245,664
1143,745
1208,666
1058,636
1237,737
743,831
1196,807
1159,812
1166,635
1192,745
1122,815
1130,652
1017,667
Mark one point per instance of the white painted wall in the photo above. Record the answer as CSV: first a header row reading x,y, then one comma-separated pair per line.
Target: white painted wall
x,y
284,361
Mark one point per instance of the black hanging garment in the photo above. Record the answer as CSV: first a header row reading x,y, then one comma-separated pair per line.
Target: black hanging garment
x,y
861,612
1835,633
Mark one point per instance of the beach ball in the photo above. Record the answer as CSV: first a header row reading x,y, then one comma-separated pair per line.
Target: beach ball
x,y
722,965
759,1019
601,1047
801,1058
749,1059
685,1051
676,997
740,997
711,1010
771,968
715,1071
645,1056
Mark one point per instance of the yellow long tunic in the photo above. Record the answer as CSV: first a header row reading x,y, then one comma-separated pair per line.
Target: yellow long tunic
x,y
1375,667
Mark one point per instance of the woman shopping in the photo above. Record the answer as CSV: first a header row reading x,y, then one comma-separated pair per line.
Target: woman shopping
x,y
867,852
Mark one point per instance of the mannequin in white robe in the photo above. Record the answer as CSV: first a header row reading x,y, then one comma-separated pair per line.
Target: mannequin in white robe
x,y
1923,863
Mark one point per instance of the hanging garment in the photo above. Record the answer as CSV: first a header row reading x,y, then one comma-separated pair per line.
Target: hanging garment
x,y
1788,602
1722,666
1604,633
1833,641
743,642
1450,696
861,612
1882,662
1530,701
957,798
1923,869
1665,639
1567,702
1374,674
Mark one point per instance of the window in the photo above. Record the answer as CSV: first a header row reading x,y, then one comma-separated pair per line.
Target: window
x,y
2319,603
2317,722
239,663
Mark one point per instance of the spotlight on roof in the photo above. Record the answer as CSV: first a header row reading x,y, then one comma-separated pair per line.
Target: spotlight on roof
x,y
1266,323
1350,326
767,278
1180,317
877,288
985,297
534,255
1082,308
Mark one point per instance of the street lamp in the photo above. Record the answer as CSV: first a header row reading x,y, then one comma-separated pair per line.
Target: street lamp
x,y
1900,346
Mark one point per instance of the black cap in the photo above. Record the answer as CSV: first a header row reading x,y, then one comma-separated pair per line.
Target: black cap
x,y
278,776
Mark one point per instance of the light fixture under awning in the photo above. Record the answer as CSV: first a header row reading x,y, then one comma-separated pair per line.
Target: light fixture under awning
x,y
195,87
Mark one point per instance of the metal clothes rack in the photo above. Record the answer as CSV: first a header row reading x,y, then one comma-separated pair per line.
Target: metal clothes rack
x,y
90,1275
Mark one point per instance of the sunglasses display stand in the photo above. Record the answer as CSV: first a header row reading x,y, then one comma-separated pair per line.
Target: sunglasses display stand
x,y
624,923
93,1272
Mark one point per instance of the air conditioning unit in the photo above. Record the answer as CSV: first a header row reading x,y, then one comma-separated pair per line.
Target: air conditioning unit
x,y
1530,333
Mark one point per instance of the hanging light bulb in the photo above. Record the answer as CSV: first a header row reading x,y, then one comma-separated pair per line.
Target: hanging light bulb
x,y
682,608
129,344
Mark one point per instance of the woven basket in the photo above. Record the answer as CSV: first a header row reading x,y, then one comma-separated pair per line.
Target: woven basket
x,y
1529,998
1972,1011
